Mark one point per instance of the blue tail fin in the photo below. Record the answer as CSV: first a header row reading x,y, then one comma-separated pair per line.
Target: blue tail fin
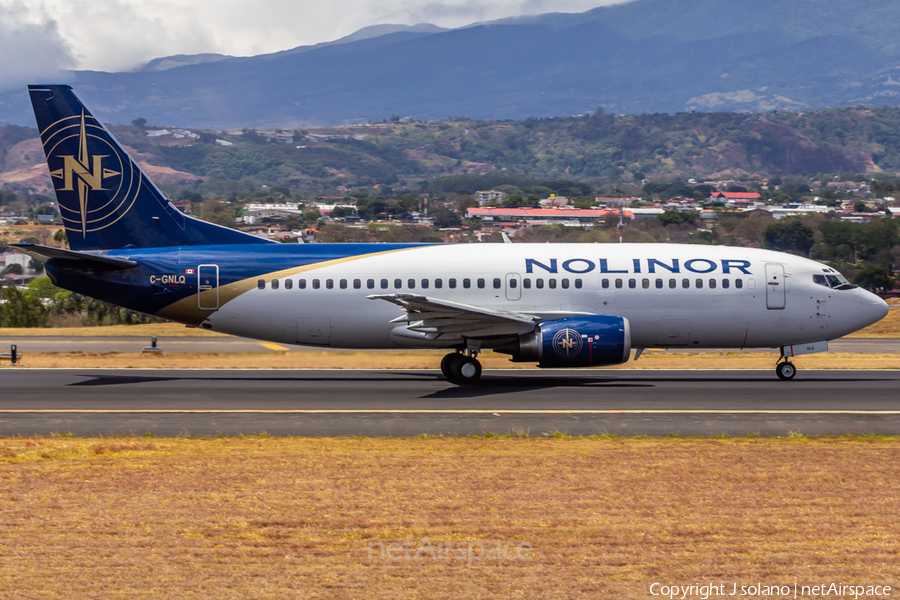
x,y
105,199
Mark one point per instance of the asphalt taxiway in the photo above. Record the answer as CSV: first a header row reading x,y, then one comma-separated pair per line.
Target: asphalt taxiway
x,y
404,403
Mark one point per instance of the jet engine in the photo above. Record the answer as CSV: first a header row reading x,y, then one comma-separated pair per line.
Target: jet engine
x,y
590,341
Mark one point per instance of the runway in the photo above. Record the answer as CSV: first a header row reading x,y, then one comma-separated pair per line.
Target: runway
x,y
406,403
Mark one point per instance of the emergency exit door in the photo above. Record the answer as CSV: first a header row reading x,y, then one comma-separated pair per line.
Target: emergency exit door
x,y
208,287
774,286
513,286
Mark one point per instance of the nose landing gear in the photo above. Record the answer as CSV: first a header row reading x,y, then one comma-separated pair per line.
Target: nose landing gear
x,y
785,369
461,368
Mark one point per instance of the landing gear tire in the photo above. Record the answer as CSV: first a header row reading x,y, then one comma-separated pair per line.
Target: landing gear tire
x,y
785,371
465,370
445,365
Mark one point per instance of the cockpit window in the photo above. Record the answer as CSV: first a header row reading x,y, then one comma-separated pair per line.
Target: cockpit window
x,y
835,281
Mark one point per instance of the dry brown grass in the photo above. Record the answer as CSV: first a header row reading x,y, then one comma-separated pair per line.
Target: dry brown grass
x,y
429,360
293,517
147,330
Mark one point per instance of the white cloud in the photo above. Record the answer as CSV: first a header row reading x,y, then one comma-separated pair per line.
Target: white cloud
x,y
115,35
31,47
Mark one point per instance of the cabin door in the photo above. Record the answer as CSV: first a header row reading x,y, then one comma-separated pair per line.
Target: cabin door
x,y
208,287
774,286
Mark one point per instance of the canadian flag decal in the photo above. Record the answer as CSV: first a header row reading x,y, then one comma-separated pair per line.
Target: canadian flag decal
x,y
188,271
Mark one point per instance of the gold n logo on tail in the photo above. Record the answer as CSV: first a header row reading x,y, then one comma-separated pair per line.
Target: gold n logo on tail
x,y
77,170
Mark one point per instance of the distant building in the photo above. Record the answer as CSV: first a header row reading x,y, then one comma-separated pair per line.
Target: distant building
x,y
14,258
542,216
484,198
616,201
736,198
255,212
645,213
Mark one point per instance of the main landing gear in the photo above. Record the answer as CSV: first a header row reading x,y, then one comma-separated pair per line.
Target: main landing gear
x,y
784,368
461,368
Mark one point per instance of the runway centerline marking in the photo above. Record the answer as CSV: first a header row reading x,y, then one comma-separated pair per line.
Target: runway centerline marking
x,y
451,412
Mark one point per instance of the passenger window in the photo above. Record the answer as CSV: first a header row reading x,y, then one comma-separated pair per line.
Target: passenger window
x,y
672,284
726,284
261,284
513,284
526,283
686,283
699,283
357,284
645,283
329,283
618,284
551,283
398,283
384,284
738,283
411,284
565,283
343,284
480,283
632,283
452,283
659,284
301,284
539,283
712,284
288,284
497,283
274,284
424,284
316,284
370,283
605,284
438,283
578,284
467,283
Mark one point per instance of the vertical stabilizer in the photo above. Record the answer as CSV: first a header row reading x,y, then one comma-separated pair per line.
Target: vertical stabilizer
x,y
106,201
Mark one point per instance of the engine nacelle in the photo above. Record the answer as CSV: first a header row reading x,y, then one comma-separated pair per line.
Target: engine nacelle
x,y
590,341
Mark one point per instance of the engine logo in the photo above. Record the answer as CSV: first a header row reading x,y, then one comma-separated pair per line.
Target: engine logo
x,y
567,343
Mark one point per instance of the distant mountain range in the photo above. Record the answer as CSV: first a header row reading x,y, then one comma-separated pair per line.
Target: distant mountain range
x,y
644,56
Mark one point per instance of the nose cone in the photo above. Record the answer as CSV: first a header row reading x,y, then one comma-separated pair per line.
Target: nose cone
x,y
873,309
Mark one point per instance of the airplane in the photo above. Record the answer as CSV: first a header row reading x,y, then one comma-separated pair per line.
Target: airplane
x,y
557,305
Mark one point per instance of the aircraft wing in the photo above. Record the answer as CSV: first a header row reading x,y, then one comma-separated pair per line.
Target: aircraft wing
x,y
434,317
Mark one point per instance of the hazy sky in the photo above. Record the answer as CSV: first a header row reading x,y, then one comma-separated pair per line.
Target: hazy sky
x,y
38,38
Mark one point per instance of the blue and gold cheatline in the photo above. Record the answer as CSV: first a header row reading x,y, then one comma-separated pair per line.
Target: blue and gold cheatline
x,y
92,196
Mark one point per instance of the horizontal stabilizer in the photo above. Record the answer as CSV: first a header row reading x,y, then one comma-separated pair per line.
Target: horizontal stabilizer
x,y
72,259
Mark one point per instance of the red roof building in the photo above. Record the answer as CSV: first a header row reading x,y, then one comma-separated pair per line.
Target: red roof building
x,y
736,197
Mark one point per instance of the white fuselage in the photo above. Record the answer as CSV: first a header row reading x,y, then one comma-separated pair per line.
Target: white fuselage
x,y
673,295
